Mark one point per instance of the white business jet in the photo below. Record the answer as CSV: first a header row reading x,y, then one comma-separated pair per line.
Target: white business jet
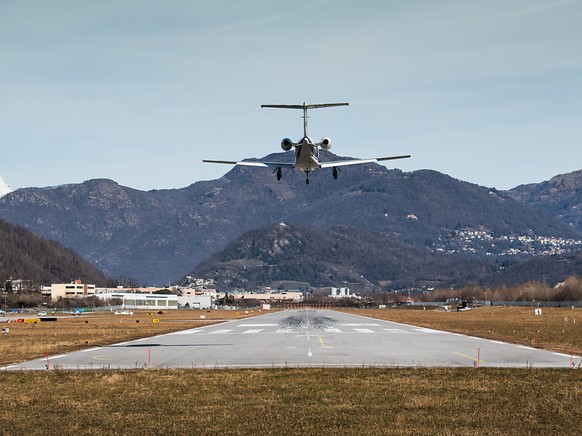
x,y
306,151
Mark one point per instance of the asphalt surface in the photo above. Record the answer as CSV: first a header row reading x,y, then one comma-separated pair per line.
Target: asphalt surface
x,y
305,338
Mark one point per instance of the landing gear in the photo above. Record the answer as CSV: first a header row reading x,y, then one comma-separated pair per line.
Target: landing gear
x,y
307,179
279,173
334,172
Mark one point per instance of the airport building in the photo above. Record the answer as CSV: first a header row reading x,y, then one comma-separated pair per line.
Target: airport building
x,y
341,293
142,301
75,289
269,296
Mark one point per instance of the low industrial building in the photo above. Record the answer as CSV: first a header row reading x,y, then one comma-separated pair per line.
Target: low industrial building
x,y
196,302
142,301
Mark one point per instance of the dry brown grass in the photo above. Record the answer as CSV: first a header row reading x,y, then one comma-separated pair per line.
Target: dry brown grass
x,y
294,401
556,329
31,340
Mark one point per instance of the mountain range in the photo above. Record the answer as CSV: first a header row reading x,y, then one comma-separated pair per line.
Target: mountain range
x,y
160,236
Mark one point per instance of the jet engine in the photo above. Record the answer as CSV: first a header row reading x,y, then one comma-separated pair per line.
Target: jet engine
x,y
325,143
286,144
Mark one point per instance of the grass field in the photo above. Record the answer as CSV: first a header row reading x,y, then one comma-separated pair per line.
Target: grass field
x,y
30,340
294,401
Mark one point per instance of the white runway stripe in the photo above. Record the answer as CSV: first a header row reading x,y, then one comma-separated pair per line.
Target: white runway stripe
x,y
220,332
257,325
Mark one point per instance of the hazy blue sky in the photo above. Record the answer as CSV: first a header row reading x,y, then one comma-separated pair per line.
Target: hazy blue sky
x,y
140,91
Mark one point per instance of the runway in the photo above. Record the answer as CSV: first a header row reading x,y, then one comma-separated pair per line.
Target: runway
x,y
304,338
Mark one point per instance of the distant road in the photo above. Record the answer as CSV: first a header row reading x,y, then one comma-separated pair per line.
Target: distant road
x,y
305,338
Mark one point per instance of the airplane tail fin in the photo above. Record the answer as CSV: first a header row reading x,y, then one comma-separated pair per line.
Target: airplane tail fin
x,y
305,107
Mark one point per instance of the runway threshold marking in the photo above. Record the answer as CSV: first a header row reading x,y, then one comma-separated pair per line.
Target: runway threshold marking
x,y
364,330
220,332
251,331
257,325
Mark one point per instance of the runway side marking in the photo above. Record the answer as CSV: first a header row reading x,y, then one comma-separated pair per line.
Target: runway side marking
x,y
562,354
57,357
468,357
396,331
89,349
252,331
123,343
220,332
423,330
332,330
526,348
364,330
43,359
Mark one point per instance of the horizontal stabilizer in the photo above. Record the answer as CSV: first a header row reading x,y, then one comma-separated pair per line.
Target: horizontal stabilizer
x,y
304,106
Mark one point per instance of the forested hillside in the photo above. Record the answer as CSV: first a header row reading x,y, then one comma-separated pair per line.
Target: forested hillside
x,y
27,256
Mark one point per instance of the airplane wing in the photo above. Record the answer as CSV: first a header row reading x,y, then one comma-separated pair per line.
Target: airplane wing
x,y
251,163
342,163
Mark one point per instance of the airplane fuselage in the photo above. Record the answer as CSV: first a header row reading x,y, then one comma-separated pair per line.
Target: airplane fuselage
x,y
306,155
